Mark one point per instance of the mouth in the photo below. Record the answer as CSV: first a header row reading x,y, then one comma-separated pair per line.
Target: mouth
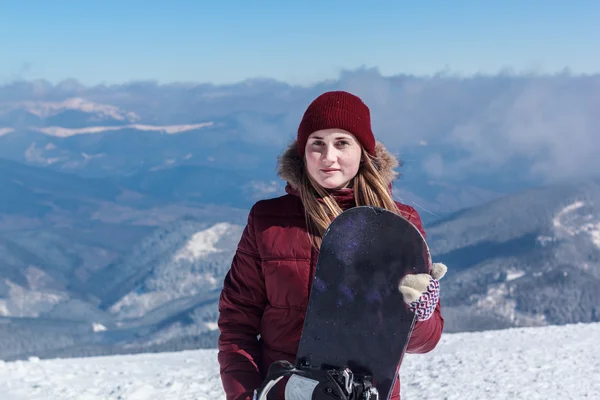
x,y
329,170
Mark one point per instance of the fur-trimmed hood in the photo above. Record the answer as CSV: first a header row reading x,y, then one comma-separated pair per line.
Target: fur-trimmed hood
x,y
290,169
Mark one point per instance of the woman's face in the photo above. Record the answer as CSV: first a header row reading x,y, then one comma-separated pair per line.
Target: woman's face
x,y
332,157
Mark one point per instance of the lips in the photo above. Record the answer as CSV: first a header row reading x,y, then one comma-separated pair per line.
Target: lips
x,y
326,170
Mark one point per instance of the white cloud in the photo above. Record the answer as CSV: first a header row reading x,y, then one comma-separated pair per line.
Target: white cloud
x,y
547,124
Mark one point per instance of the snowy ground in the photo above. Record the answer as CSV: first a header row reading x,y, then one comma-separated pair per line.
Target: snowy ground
x,y
535,363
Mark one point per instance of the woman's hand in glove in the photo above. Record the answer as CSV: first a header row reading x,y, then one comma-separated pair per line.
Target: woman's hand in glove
x,y
422,291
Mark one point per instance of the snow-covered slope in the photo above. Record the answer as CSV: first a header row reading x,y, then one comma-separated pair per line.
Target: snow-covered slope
x,y
526,363
79,135
532,258
76,116
45,109
168,129
196,266
182,260
578,220
31,299
161,296
58,234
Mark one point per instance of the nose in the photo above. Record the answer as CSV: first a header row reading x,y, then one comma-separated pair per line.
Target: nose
x,y
329,154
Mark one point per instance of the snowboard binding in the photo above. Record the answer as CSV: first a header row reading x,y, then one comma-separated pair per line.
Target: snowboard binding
x,y
312,383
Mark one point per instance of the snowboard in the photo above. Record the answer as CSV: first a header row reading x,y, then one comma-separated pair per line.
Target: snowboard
x,y
357,325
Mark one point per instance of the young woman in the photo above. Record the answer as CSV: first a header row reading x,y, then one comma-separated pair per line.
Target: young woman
x,y
335,163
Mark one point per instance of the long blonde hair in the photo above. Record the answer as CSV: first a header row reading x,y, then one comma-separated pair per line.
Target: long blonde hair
x,y
370,188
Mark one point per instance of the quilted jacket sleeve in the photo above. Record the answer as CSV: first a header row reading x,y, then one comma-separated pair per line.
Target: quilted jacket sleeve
x,y
426,334
241,306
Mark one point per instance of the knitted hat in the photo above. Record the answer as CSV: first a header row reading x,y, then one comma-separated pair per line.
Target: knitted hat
x,y
337,109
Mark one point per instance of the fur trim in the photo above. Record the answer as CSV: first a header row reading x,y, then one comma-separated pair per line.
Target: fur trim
x,y
290,169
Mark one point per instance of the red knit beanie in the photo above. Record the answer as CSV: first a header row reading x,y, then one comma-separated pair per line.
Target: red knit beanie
x,y
337,109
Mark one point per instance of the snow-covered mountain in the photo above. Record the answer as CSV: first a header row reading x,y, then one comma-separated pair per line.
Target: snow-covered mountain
x,y
71,245
182,260
164,290
97,241
77,116
101,267
49,109
193,268
527,363
140,165
94,139
527,259
104,136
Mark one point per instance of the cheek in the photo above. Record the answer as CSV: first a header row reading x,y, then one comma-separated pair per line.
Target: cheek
x,y
312,162
352,160
354,168
311,158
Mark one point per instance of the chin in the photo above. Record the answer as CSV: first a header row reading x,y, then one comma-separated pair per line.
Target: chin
x,y
331,184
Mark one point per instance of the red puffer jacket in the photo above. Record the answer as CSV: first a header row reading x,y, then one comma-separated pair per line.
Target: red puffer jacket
x,y
265,293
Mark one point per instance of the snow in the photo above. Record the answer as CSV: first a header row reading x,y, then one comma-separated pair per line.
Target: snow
x,y
97,327
565,223
555,362
203,243
595,233
48,108
183,274
497,301
571,207
36,155
28,302
168,129
544,240
213,326
136,305
512,275
87,156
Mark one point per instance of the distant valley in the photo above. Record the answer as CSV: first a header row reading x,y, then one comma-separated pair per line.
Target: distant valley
x,y
71,248
120,211
98,271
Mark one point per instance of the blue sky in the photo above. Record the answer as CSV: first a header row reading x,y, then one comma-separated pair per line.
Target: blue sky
x,y
299,42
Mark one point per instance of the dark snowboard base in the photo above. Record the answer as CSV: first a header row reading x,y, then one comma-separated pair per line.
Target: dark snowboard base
x,y
356,317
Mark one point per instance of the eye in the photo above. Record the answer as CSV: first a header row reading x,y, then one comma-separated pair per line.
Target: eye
x,y
343,143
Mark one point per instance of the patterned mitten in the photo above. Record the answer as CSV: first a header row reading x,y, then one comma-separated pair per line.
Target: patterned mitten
x,y
422,291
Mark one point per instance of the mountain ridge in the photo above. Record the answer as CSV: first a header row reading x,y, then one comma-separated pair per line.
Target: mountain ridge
x,y
504,271
521,252
128,258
